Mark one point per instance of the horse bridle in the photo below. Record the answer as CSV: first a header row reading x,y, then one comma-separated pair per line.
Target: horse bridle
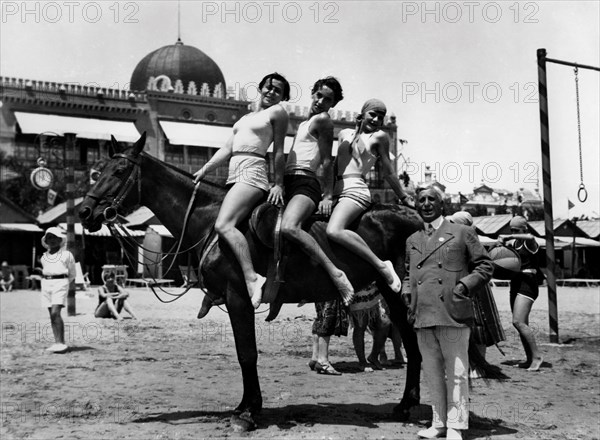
x,y
110,213
127,184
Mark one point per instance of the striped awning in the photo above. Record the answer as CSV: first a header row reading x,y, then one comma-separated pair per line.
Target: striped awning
x,y
88,128
104,231
199,135
20,227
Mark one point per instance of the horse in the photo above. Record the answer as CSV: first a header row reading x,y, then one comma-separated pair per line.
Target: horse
x,y
132,177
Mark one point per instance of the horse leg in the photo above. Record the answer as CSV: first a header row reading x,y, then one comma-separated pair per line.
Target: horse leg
x,y
241,315
412,387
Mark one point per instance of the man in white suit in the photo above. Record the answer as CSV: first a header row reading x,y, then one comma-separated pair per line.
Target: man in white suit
x,y
437,292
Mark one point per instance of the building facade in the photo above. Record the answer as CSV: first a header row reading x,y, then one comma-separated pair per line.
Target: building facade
x,y
178,97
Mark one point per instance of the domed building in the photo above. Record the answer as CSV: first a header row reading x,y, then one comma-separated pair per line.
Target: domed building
x,y
178,62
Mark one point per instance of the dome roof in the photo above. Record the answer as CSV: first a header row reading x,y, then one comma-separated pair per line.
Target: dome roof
x,y
177,61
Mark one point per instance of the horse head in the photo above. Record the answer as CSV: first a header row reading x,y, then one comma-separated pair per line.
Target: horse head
x,y
116,187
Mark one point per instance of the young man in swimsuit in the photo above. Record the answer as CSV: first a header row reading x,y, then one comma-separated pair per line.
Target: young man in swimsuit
x,y
357,152
311,149
248,176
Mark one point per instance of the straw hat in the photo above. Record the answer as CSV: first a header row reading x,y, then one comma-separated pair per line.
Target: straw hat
x,y
57,232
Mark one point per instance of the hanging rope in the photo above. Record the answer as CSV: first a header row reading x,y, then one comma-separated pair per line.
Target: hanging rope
x,y
582,193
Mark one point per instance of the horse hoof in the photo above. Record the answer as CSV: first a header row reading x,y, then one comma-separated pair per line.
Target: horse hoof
x,y
402,411
243,422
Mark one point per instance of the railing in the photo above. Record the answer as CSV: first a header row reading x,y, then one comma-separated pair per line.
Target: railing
x,y
29,85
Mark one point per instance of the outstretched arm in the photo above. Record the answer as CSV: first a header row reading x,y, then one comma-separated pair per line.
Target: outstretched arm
x,y
223,154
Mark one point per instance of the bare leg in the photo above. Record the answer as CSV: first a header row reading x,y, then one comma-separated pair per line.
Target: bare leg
x,y
379,336
238,203
521,309
394,335
323,349
343,215
58,326
113,310
315,350
128,308
358,338
296,213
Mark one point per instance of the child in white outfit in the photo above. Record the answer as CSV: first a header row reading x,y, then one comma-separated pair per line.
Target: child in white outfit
x,y
57,274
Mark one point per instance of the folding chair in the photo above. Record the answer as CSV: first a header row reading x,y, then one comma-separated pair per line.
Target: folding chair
x,y
188,273
82,282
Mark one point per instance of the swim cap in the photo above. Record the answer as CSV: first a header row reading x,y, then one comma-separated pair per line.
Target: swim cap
x,y
373,104
518,222
461,218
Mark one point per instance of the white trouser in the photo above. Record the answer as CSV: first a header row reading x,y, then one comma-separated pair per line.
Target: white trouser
x,y
446,365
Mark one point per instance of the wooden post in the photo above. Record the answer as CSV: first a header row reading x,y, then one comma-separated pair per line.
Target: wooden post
x,y
70,180
547,181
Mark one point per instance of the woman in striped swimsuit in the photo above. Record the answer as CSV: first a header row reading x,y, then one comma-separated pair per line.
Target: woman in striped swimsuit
x,y
248,177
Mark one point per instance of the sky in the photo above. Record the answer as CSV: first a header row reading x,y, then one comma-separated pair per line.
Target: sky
x,y
461,77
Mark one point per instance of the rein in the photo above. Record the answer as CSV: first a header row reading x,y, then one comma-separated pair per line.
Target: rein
x,y
130,181
124,238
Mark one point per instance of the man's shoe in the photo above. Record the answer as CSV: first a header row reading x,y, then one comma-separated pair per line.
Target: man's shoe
x,y
61,348
454,434
58,348
432,432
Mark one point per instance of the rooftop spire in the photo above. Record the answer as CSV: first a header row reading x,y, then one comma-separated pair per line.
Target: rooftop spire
x,y
179,21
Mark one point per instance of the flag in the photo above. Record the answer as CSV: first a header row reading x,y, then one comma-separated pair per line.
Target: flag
x,y
571,204
51,196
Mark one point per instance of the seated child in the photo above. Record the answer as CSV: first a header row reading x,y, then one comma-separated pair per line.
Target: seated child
x,y
7,279
112,299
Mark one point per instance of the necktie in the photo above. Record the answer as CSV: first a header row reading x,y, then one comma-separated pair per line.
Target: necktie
x,y
429,231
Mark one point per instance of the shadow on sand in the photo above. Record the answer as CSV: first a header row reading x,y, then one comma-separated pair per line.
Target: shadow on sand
x,y
349,414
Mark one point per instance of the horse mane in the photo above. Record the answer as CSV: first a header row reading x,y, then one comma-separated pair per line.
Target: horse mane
x,y
185,177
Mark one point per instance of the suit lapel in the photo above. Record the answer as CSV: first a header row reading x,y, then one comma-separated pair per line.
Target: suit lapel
x,y
442,236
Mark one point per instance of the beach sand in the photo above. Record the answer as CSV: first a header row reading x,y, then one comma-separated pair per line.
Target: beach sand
x,y
171,376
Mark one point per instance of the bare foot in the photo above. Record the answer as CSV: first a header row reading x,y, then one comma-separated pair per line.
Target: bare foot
x,y
344,286
536,363
392,277
255,290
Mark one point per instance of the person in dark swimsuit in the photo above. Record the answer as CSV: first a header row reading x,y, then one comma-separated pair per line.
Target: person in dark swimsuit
x,y
112,299
524,288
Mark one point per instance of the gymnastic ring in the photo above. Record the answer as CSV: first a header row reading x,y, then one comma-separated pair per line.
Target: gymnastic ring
x,y
582,198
